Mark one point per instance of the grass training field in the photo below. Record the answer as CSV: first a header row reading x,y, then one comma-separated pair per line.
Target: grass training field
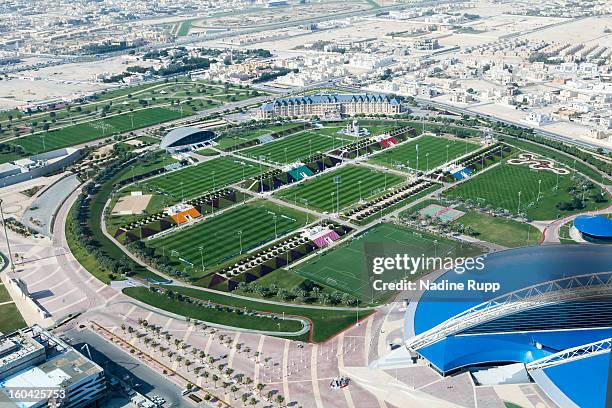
x,y
500,230
355,181
210,175
499,187
345,268
223,236
293,148
235,137
86,132
405,156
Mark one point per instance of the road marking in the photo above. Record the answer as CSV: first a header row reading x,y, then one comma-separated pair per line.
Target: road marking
x,y
232,353
367,341
6,303
285,370
262,339
314,380
83,299
60,297
345,390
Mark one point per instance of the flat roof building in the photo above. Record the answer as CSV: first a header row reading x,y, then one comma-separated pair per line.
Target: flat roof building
x,y
34,359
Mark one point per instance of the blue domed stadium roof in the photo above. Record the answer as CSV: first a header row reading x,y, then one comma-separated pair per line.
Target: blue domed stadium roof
x,y
594,226
523,334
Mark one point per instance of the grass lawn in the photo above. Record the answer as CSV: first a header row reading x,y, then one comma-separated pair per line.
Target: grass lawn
x,y
156,161
405,155
499,230
219,236
210,175
556,156
355,181
293,148
85,258
184,27
235,137
326,323
499,187
86,132
10,318
211,315
4,295
345,267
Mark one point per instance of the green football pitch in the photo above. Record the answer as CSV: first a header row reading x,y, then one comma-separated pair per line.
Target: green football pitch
x,y
227,235
432,152
293,148
210,175
499,187
355,182
86,132
348,269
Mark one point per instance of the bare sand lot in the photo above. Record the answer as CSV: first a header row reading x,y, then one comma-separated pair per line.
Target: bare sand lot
x,y
586,30
132,204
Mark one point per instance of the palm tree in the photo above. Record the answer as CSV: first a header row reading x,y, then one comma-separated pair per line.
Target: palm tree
x,y
245,398
233,389
260,387
215,378
280,399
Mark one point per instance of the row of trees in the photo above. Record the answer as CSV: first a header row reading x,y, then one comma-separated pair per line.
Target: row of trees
x,y
212,370
305,292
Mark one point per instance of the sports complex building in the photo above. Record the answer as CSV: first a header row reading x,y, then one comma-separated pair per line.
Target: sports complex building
x,y
183,138
594,228
331,106
550,322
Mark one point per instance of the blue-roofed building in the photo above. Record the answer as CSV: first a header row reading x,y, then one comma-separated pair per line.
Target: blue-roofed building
x,y
331,106
552,315
594,228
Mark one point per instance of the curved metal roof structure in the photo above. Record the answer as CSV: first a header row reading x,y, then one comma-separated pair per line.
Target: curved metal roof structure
x,y
595,226
184,136
552,299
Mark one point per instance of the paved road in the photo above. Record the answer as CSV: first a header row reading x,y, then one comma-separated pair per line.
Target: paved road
x,y
119,363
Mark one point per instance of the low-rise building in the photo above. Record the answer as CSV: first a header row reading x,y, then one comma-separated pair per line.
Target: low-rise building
x,y
38,369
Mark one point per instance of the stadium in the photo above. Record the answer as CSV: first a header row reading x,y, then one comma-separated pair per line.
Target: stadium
x,y
184,138
550,323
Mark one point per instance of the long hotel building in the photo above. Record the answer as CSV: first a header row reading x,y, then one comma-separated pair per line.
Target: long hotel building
x,y
331,106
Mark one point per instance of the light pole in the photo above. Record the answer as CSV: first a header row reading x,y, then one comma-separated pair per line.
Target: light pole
x,y
240,240
309,147
201,248
359,182
518,210
332,201
274,218
337,180
447,146
8,245
539,190
286,161
213,177
427,161
182,192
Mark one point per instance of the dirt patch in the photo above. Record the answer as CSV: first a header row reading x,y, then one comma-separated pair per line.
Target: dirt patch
x,y
132,204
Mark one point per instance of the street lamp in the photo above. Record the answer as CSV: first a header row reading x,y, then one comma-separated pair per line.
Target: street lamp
x,y
274,218
240,240
518,210
201,248
8,245
539,190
